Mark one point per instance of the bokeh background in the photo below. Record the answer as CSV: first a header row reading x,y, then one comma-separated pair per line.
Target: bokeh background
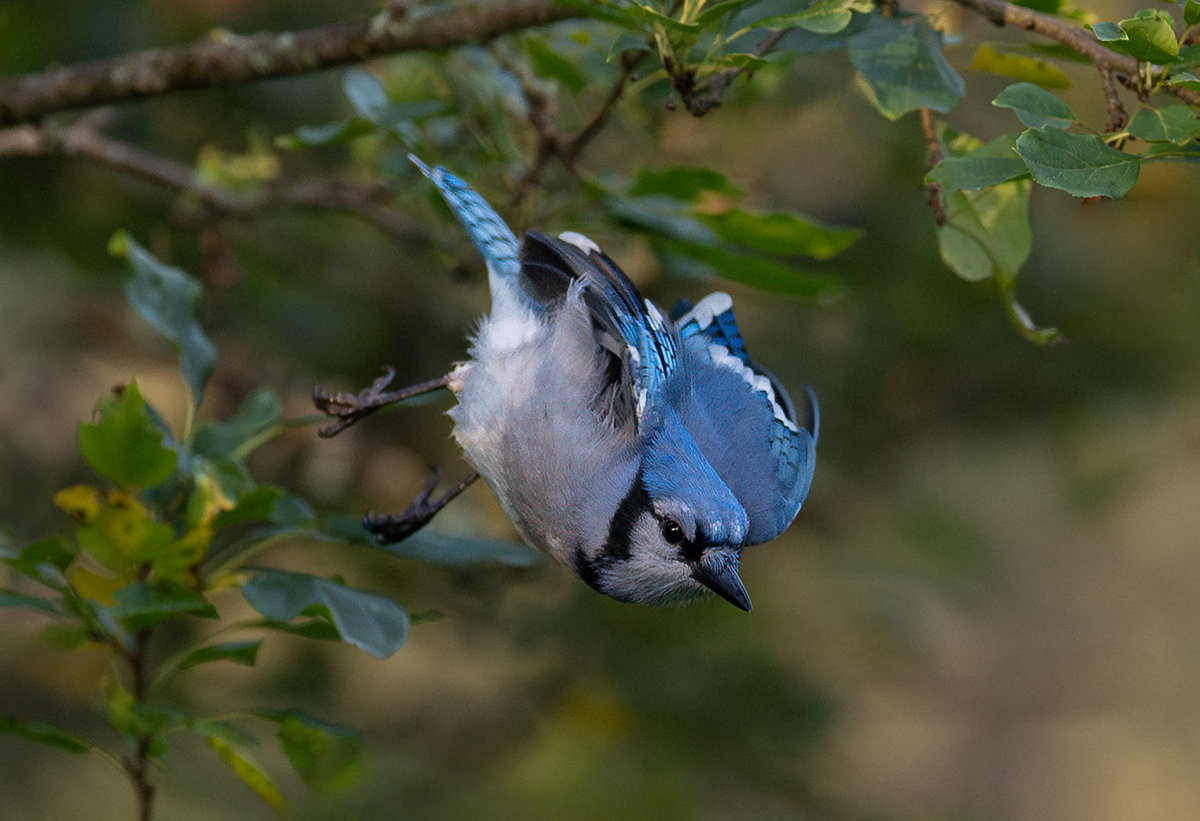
x,y
987,608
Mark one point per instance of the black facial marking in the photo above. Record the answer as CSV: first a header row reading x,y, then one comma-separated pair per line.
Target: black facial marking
x,y
620,528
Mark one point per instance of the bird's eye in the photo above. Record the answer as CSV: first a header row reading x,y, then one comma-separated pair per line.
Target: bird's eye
x,y
672,531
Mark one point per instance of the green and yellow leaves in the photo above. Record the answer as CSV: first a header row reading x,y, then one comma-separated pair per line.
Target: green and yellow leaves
x,y
1149,35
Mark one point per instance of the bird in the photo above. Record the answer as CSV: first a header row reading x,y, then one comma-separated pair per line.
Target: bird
x,y
642,452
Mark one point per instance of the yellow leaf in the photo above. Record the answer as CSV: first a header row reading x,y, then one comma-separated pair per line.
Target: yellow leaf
x,y
92,585
1020,67
81,501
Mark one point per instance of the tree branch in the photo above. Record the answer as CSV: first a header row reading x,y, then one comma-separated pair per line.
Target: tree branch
x,y
227,59
703,98
1074,37
84,139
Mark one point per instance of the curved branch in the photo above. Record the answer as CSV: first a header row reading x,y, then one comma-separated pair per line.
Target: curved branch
x,y
227,59
1074,37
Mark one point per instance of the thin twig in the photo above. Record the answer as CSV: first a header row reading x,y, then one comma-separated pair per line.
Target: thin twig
x,y
368,201
935,157
1118,118
223,59
553,143
702,98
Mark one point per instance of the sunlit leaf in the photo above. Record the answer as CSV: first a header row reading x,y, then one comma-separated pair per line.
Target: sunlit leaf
x,y
93,586
1035,106
368,621
990,164
43,733
822,17
1151,37
251,774
239,652
1080,164
1018,66
902,63
1176,124
1108,32
124,444
986,234
124,534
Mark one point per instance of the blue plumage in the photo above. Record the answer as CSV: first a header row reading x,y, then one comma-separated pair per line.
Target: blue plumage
x,y
642,453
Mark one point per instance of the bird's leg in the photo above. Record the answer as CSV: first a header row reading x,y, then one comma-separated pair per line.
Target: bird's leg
x,y
393,527
348,408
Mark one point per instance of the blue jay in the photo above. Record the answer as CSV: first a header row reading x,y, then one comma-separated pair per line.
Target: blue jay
x,y
642,453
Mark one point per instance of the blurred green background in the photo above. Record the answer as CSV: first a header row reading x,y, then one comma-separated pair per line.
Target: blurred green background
x,y
987,608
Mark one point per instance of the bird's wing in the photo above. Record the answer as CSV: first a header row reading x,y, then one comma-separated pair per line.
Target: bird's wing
x,y
760,444
633,330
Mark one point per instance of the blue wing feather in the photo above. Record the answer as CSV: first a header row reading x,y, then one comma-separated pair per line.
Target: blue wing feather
x,y
631,328
744,421
494,239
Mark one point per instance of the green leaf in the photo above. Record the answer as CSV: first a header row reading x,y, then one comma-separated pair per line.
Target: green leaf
x,y
125,445
986,234
251,774
627,41
1176,124
1151,37
616,15
664,22
681,183
142,605
316,629
1184,79
1080,164
326,756
751,270
550,65
44,560
239,652
902,64
990,164
170,300
1044,6
1021,67
822,17
365,620
1108,32
258,412
43,733
364,92
11,598
1191,13
1189,152
457,551
1035,106
342,131
783,234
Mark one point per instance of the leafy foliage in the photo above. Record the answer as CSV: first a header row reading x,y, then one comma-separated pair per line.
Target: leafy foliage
x,y
175,527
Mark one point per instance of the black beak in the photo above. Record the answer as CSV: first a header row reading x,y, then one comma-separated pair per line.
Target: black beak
x,y
718,571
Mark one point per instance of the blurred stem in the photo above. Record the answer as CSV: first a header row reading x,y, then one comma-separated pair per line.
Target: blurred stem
x,y
138,764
